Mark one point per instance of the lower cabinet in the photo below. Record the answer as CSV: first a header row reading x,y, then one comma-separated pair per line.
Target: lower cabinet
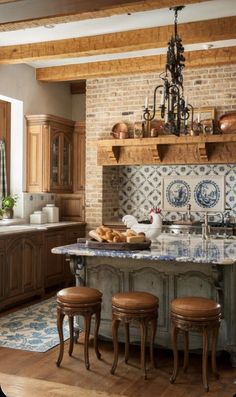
x,y
27,266
56,268
23,271
54,264
2,271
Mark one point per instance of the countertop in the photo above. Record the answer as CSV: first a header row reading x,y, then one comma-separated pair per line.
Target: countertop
x,y
6,228
168,248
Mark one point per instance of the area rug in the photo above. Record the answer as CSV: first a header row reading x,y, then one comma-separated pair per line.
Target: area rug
x,y
33,328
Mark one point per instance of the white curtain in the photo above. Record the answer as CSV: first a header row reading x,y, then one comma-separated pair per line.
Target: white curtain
x,y
3,169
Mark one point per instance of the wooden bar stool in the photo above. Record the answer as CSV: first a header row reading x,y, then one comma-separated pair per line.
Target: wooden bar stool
x,y
81,301
195,314
129,306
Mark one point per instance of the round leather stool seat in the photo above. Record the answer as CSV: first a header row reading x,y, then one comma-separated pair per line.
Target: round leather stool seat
x,y
134,306
78,301
195,314
135,300
196,307
80,295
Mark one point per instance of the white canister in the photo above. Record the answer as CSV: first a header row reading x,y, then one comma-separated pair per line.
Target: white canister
x,y
38,217
52,213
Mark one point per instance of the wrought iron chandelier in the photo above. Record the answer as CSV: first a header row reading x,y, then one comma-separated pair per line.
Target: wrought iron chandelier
x,y
174,107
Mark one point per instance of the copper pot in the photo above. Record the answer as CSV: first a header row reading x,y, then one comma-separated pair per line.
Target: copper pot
x,y
227,123
120,131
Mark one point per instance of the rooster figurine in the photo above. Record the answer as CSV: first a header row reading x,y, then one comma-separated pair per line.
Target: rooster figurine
x,y
152,230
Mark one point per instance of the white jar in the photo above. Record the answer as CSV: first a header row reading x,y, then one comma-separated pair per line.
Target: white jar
x,y
38,217
52,213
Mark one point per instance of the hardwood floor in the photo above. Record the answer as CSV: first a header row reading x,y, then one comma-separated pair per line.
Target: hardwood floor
x,y
29,374
35,374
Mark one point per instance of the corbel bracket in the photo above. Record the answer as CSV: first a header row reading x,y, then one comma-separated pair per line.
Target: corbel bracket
x,y
202,151
155,153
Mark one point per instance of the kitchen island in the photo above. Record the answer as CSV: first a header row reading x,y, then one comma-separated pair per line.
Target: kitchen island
x,y
174,266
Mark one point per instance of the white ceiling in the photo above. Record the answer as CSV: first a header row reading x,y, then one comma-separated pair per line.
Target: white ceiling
x,y
118,23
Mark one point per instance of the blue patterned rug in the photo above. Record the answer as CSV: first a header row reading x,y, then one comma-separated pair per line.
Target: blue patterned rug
x,y
33,328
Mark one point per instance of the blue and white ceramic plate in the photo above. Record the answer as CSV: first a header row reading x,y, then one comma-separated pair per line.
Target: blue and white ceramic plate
x,y
207,193
178,193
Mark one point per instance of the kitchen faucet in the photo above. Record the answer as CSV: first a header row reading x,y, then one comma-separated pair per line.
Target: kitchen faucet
x,y
187,216
205,228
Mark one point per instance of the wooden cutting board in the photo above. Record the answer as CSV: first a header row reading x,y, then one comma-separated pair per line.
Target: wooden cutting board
x,y
114,246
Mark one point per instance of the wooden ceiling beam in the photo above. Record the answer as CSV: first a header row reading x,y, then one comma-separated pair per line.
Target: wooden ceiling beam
x,y
205,58
191,33
30,13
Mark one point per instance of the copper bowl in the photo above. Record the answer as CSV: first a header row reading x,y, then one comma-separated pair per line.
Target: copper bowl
x,y
227,123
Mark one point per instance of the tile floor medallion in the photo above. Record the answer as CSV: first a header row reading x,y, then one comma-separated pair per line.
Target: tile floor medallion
x,y
205,187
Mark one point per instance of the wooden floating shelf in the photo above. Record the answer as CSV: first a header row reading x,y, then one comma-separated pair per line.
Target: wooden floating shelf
x,y
202,149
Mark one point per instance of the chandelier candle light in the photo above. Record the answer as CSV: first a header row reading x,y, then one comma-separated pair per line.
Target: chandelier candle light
x,y
174,107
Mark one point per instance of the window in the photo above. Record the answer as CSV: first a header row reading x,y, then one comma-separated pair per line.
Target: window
x,y
5,128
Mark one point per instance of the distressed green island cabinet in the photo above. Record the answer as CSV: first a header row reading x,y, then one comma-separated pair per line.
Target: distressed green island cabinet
x,y
27,265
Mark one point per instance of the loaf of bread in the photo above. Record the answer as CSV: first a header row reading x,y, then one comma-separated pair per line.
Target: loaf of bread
x,y
96,236
130,232
106,234
135,239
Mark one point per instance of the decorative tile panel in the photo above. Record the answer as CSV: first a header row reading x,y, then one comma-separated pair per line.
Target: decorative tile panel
x,y
205,193
141,188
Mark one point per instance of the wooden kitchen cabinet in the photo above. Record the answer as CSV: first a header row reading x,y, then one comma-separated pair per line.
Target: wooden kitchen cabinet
x,y
2,270
23,274
56,268
79,157
53,264
49,154
72,206
27,266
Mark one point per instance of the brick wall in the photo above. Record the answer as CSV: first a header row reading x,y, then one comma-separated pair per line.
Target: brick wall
x,y
110,100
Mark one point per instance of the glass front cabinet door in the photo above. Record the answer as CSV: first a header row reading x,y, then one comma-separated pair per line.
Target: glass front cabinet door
x,y
61,162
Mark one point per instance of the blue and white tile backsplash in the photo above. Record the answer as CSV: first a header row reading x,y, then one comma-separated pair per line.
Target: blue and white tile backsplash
x,y
205,187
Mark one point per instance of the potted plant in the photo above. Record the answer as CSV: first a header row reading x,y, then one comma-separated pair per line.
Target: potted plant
x,y
8,203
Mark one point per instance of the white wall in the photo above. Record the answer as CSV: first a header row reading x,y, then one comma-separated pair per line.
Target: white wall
x,y
78,107
19,82
28,96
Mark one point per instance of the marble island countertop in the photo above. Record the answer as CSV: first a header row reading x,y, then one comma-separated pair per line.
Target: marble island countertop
x,y
168,248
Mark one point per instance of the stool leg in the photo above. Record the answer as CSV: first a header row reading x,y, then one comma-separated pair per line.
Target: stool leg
x,y
71,327
87,319
143,328
115,325
126,342
60,317
204,359
213,352
186,351
97,324
152,339
174,334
